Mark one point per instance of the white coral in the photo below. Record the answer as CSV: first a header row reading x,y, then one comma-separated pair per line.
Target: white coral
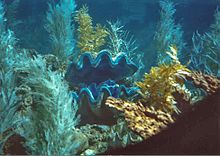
x,y
52,118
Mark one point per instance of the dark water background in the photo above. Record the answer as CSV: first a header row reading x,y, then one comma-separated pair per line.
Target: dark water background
x,y
140,17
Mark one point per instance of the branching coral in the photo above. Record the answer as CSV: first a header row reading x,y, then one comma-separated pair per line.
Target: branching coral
x,y
143,120
52,118
89,38
205,54
121,41
60,26
168,32
159,85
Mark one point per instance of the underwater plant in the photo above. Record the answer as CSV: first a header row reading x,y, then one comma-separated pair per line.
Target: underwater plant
x,y
60,27
99,69
8,100
159,85
120,41
168,32
9,105
205,53
89,38
51,119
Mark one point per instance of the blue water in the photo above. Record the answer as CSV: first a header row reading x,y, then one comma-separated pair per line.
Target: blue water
x,y
140,17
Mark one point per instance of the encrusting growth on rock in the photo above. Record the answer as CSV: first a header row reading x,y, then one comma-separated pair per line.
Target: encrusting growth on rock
x,y
207,82
145,121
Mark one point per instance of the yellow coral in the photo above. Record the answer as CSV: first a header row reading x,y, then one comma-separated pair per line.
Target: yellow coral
x,y
159,85
146,121
89,38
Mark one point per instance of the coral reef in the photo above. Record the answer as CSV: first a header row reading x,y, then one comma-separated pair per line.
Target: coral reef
x,y
207,82
91,101
159,85
142,120
47,102
96,70
168,33
89,38
60,27
196,132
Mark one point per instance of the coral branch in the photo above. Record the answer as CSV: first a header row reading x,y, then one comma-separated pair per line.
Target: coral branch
x,y
168,33
159,85
89,38
59,25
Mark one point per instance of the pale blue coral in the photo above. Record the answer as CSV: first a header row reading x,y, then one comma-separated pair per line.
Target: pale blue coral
x,y
53,114
60,27
205,54
168,32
